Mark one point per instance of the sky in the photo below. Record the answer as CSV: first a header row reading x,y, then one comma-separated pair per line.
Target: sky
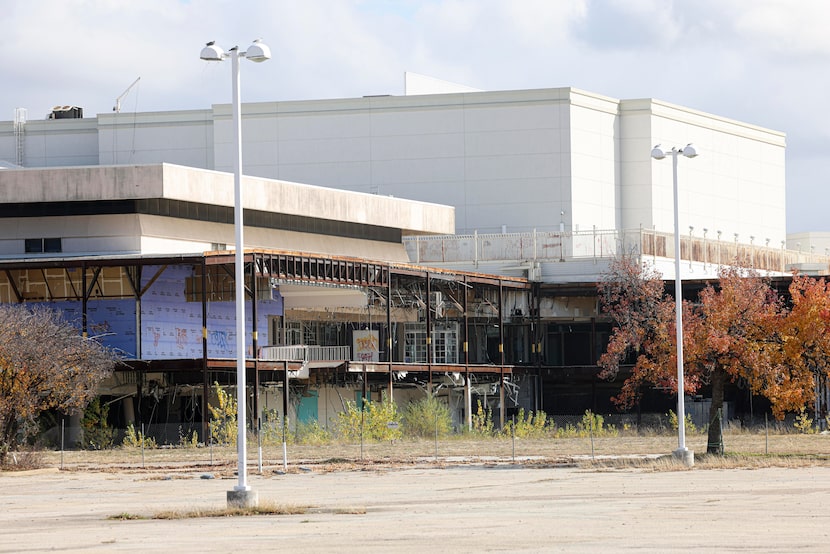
x,y
764,62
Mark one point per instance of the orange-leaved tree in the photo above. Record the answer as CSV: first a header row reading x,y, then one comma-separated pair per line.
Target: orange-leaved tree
x,y
804,335
730,334
644,317
44,364
734,339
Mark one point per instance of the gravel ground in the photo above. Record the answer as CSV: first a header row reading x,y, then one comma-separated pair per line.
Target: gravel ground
x,y
477,506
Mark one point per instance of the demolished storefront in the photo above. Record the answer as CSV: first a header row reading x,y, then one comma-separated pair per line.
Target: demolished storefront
x,y
324,329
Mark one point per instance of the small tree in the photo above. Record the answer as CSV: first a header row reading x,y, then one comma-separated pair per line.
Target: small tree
x,y
223,428
634,297
371,421
44,364
482,421
735,339
98,434
425,417
735,332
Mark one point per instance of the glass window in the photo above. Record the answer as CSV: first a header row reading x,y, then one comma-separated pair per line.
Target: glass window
x,y
36,246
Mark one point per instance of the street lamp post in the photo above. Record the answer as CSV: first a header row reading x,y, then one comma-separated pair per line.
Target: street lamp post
x,y
682,453
241,495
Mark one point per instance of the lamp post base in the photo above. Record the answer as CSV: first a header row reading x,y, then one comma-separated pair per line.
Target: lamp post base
x,y
684,456
242,499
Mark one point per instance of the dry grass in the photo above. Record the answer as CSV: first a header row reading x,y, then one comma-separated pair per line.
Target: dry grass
x,y
742,450
24,460
262,509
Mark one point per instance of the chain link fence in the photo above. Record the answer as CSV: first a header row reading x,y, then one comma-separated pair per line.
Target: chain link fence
x,y
525,438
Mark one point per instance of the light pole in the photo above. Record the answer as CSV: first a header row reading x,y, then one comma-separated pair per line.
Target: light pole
x,y
241,495
682,453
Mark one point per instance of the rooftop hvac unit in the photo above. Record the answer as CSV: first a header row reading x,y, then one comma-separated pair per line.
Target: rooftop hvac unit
x,y
66,112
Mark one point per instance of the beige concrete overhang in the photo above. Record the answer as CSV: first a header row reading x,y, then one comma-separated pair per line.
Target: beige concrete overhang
x,y
175,182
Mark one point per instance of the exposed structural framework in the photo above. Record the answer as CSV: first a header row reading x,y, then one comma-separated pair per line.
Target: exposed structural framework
x,y
317,326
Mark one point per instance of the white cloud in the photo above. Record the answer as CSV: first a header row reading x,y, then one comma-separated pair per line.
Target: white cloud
x,y
785,27
763,61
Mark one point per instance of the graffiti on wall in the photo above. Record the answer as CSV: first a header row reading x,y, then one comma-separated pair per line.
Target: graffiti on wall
x,y
171,327
366,346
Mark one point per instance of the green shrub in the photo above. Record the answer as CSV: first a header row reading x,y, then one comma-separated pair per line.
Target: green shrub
x,y
271,432
594,424
690,426
311,433
97,433
528,425
591,424
426,417
223,417
482,421
804,423
135,439
371,422
188,439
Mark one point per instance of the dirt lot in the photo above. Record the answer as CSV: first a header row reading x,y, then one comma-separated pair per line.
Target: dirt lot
x,y
526,506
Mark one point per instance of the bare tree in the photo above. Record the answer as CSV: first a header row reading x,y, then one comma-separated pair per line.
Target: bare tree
x,y
44,364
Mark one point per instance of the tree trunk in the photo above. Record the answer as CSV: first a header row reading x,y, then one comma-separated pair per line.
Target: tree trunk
x,y
8,437
715,442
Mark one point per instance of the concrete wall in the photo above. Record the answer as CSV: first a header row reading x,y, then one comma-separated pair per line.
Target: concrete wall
x,y
814,242
80,234
520,159
735,185
479,153
215,188
52,142
594,163
181,138
149,234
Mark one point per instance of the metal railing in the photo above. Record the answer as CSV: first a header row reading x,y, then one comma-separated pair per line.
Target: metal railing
x,y
304,353
554,246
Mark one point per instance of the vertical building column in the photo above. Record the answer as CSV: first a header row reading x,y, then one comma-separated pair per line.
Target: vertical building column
x,y
501,356
429,333
205,380
468,393
255,416
389,335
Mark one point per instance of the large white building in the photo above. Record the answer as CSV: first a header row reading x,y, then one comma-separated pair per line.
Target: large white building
x,y
568,169
130,214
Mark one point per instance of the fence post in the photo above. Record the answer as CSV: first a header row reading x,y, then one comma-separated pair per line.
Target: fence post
x,y
591,432
436,431
284,445
513,435
259,440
